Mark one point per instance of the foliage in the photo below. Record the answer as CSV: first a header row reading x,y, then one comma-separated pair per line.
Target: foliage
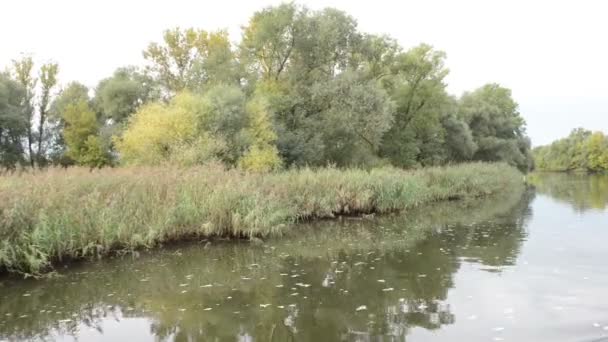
x,y
189,59
262,155
13,123
418,89
80,134
119,96
75,213
157,131
332,95
582,150
498,129
48,81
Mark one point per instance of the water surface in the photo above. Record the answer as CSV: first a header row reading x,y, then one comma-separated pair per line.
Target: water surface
x,y
528,265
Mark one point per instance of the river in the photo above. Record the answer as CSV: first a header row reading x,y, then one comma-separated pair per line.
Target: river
x,y
528,265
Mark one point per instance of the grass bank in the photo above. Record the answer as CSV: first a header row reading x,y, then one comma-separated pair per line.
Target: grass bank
x,y
47,216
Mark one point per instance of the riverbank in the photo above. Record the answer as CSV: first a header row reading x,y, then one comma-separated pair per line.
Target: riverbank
x,y
57,214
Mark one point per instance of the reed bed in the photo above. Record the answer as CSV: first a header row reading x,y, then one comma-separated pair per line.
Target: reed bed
x,y
57,214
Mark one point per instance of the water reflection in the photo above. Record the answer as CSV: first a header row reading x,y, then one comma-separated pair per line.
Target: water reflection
x,y
348,280
582,191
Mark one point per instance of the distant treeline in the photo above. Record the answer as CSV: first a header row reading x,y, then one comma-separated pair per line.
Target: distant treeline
x,y
582,150
302,87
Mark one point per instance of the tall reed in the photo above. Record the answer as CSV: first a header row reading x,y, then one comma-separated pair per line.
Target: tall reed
x,y
47,216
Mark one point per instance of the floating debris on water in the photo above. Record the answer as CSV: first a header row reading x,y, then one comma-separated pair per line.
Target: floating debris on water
x,y
361,308
263,306
208,309
388,289
381,281
208,285
181,309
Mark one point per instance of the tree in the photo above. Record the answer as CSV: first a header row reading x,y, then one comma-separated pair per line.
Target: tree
x,y
498,129
72,94
353,116
159,133
596,150
189,59
23,73
36,137
13,123
48,81
459,144
269,40
262,155
80,134
418,89
582,150
119,96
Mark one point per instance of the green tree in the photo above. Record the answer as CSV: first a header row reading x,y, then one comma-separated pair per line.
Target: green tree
x,y
119,96
13,123
582,150
48,81
459,144
23,70
189,59
353,116
498,128
418,89
269,40
80,135
72,94
596,148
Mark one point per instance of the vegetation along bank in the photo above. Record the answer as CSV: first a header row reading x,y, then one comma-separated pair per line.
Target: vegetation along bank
x,y
58,214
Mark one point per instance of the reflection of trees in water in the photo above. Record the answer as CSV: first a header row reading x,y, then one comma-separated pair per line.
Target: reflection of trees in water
x,y
399,267
582,191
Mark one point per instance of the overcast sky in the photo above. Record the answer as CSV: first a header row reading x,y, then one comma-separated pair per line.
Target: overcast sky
x,y
552,54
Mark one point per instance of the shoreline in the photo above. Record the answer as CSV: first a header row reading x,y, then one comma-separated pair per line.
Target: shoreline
x,y
53,216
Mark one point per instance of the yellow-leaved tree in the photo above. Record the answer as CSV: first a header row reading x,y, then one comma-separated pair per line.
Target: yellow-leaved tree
x,y
168,133
262,155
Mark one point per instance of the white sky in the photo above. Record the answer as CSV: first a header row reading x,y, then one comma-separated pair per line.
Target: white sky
x,y
552,54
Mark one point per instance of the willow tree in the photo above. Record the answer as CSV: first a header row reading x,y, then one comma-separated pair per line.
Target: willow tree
x,y
13,122
190,59
418,89
498,128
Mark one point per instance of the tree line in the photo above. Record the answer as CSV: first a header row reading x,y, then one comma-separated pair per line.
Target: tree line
x,y
582,150
302,87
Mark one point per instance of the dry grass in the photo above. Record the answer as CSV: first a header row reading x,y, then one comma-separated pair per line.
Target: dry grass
x,y
49,215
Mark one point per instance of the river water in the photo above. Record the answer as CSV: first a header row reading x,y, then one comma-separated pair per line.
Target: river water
x,y
527,265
